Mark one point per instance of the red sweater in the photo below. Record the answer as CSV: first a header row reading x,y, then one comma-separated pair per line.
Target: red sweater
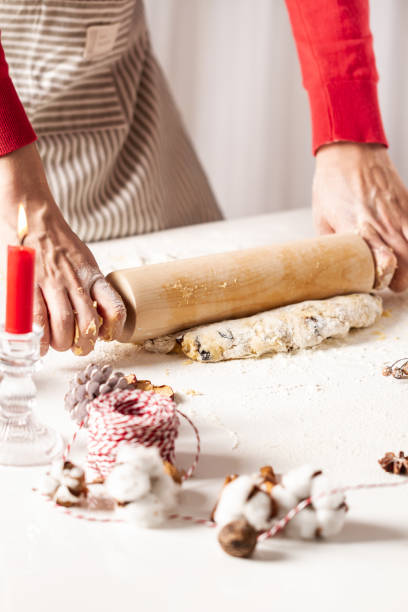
x,y
335,49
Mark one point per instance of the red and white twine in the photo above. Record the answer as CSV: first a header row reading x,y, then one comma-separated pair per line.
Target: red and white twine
x,y
149,419
281,524
140,417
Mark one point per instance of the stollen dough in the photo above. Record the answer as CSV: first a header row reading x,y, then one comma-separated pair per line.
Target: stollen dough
x,y
283,329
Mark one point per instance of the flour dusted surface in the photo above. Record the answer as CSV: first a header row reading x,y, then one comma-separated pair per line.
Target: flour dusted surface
x,y
285,329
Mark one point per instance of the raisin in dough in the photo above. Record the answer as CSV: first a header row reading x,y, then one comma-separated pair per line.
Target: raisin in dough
x,y
285,329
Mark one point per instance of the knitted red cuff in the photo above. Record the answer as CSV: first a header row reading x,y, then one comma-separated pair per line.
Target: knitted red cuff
x,y
346,111
15,128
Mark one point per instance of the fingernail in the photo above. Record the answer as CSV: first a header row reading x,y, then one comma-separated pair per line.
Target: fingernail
x,y
386,265
91,330
76,334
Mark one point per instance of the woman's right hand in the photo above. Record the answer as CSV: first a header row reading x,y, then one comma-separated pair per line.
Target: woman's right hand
x,y
356,188
73,302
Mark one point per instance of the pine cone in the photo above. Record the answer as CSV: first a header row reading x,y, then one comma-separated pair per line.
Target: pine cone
x,y
90,383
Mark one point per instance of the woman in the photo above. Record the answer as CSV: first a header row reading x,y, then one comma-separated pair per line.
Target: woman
x,y
112,152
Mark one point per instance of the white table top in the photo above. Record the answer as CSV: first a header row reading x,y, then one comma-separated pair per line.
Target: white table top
x,y
329,406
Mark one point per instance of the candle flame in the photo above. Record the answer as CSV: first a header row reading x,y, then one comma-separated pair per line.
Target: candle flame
x,y
22,225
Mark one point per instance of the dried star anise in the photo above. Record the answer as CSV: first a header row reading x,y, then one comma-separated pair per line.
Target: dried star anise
x,y
396,464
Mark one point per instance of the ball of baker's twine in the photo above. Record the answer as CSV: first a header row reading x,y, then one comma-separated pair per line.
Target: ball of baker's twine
x,y
139,417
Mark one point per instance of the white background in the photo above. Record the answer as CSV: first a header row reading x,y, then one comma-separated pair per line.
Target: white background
x,y
233,69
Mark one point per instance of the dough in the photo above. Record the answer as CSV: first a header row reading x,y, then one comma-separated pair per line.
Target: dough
x,y
283,329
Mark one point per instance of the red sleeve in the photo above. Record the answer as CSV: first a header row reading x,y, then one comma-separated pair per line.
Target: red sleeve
x,y
335,48
15,128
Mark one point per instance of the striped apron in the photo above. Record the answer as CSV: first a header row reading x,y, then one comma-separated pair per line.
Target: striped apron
x,y
115,151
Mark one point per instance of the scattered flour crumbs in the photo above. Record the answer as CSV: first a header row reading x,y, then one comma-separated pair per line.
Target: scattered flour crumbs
x,y
311,378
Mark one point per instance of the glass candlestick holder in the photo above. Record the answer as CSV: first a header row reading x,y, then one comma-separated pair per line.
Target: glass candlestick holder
x,y
23,439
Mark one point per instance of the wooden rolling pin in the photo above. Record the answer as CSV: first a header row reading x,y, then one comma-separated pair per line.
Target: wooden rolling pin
x,y
168,297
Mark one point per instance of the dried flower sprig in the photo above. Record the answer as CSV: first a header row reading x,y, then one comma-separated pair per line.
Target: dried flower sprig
x,y
399,369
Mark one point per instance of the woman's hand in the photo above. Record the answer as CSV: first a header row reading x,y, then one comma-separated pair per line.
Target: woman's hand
x,y
356,188
73,302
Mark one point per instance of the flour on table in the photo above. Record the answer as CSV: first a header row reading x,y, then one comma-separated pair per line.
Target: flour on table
x,y
285,329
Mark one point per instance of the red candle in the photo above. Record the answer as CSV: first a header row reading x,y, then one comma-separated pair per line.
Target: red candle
x,y
20,282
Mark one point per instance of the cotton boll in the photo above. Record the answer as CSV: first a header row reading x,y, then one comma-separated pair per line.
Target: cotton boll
x,y
146,512
129,453
64,497
284,498
299,480
303,525
74,471
68,481
127,482
75,484
320,487
258,510
60,469
47,485
166,490
147,459
330,522
233,497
